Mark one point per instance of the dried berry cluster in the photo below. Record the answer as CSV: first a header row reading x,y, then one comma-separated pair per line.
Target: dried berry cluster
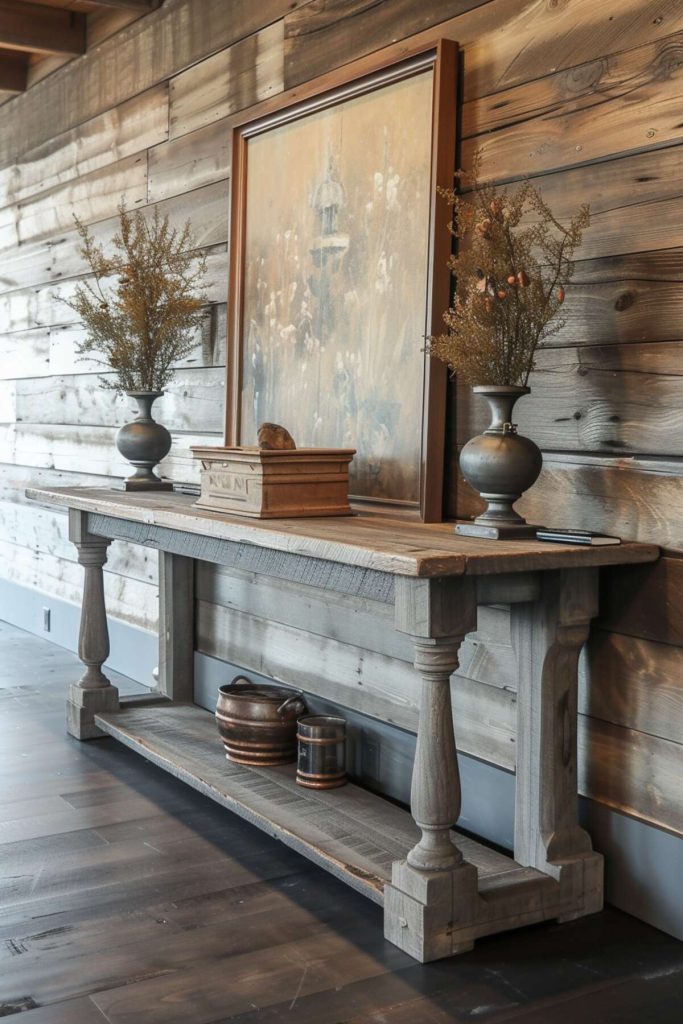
x,y
144,304
513,262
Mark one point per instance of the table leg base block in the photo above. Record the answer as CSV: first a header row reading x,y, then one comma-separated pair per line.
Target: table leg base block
x,y
431,915
581,885
82,706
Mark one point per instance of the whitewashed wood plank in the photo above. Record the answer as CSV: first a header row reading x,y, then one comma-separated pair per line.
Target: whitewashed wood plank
x,y
189,162
128,599
8,401
46,532
193,401
91,450
91,197
15,479
230,80
207,209
119,133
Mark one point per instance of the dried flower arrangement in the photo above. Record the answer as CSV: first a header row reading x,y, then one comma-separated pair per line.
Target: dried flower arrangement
x,y
510,279
144,305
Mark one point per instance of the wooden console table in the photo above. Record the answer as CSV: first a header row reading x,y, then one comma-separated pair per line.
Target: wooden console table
x,y
440,890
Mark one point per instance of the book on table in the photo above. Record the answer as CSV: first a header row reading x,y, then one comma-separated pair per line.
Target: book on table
x,y
561,536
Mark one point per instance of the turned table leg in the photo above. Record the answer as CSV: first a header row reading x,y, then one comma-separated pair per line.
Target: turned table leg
x,y
93,692
435,791
431,901
548,636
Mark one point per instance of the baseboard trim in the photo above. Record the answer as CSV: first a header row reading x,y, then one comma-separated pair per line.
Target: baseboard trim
x,y
134,651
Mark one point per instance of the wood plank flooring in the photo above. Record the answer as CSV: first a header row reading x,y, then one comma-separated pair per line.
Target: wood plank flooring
x,y
127,898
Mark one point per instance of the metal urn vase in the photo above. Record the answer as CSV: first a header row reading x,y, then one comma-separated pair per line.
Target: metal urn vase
x,y
501,465
144,443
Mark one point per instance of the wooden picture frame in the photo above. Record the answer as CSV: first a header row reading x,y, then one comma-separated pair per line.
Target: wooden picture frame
x,y
335,93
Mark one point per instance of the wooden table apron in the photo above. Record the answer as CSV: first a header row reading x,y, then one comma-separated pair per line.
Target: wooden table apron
x,y
436,900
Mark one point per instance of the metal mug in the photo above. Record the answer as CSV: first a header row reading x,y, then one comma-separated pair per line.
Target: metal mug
x,y
322,752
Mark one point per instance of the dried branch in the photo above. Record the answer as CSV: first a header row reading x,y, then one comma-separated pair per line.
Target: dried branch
x,y
146,304
510,280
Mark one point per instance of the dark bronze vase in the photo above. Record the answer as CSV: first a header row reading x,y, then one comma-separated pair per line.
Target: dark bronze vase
x,y
144,443
501,465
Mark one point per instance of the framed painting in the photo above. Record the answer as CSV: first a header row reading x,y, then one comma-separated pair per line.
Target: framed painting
x,y
338,270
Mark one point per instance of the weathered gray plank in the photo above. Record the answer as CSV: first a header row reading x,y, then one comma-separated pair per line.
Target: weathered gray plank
x,y
127,598
91,450
382,687
193,401
626,399
636,499
44,531
189,162
118,133
485,656
90,197
149,51
230,80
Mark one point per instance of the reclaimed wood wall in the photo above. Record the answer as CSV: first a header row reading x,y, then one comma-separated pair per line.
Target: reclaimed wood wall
x,y
584,97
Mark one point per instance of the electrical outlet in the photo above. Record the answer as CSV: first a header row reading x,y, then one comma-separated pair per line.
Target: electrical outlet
x,y
46,620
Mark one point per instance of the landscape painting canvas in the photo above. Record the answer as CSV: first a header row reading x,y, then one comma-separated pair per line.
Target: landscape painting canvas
x,y
335,281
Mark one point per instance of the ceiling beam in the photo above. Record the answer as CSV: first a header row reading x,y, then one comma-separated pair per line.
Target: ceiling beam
x,y
39,29
13,71
129,5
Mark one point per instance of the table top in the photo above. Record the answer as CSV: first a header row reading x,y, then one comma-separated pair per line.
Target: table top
x,y
367,539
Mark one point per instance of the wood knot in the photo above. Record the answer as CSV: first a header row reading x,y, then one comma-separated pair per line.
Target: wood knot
x,y
624,301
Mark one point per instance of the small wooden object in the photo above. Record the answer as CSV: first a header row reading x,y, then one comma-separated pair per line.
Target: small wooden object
x,y
275,484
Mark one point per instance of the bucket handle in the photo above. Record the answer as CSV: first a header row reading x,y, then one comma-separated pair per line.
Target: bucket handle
x,y
241,681
296,695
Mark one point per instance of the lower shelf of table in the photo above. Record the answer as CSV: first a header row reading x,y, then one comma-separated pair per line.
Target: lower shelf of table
x,y
348,831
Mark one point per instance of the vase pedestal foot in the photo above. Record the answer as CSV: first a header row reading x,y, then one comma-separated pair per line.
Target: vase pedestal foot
x,y
133,484
505,531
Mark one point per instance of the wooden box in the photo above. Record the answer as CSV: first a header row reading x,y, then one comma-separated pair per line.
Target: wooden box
x,y
267,484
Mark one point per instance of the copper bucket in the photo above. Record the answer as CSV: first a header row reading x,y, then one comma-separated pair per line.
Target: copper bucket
x,y
257,723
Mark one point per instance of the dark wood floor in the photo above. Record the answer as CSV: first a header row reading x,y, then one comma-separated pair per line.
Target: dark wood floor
x,y
125,897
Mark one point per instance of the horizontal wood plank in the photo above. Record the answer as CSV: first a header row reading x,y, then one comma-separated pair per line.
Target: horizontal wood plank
x,y
91,197
633,683
145,53
636,499
193,401
119,133
230,80
625,399
505,43
631,771
189,162
645,603
376,685
129,599
638,107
